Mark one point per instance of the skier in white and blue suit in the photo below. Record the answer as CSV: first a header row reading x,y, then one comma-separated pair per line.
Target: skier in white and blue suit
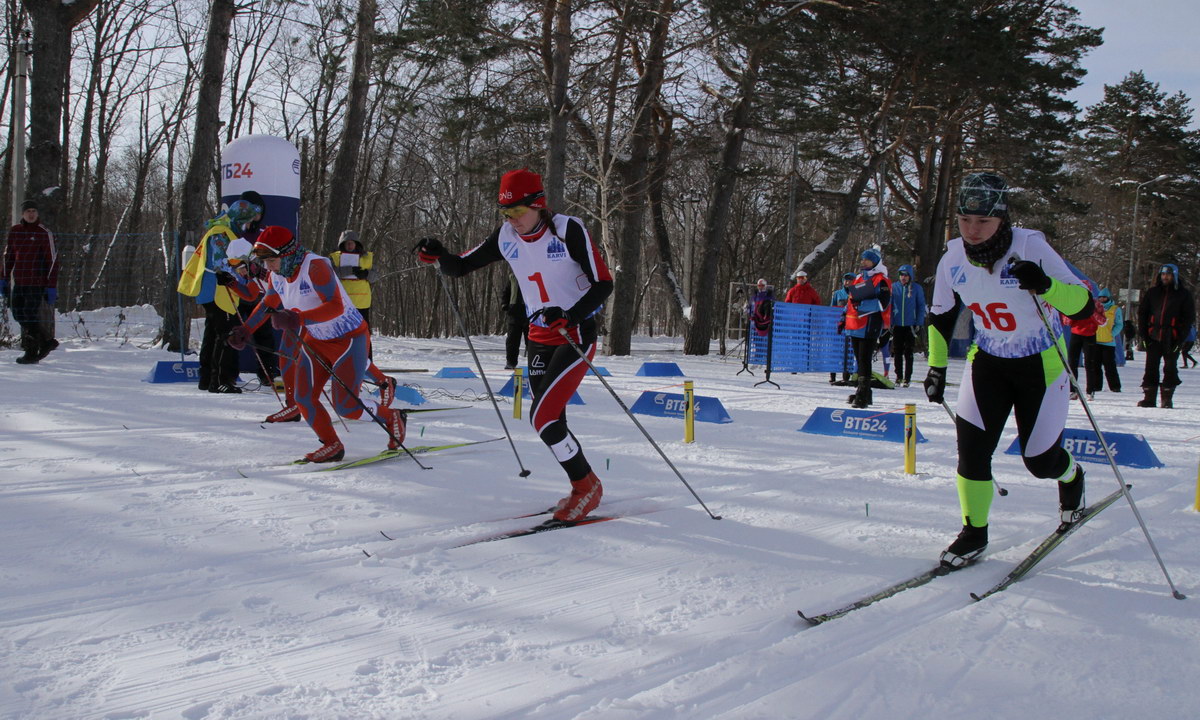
x,y
1013,366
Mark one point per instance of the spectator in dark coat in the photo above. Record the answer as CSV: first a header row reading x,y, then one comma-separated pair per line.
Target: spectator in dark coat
x,y
1164,317
513,305
762,307
29,280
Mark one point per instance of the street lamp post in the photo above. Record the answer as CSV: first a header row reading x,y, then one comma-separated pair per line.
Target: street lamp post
x,y
1137,195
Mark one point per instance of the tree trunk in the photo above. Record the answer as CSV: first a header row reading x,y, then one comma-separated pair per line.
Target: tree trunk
x,y
677,300
816,260
556,57
717,218
933,238
194,192
52,22
634,176
341,182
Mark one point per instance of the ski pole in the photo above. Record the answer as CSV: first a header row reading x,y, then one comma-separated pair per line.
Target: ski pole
x,y
954,419
462,326
1037,302
321,361
324,393
620,402
261,365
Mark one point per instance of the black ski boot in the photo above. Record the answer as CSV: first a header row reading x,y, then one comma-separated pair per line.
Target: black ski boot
x,y
1070,498
1148,399
969,544
862,398
1166,393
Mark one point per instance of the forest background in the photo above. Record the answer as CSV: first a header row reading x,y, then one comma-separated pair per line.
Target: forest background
x,y
705,143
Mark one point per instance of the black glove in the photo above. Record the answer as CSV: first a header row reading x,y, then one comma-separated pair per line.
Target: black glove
x,y
884,338
224,278
429,249
1031,275
556,318
360,273
841,326
284,319
238,337
935,385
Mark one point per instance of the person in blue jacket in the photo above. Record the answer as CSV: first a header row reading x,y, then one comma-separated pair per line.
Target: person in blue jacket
x,y
908,319
1103,358
839,298
1185,352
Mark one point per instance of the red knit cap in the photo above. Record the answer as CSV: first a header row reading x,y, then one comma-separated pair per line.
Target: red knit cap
x,y
522,187
278,240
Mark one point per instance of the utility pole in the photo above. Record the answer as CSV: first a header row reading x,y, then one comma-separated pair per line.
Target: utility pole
x,y
1133,241
23,50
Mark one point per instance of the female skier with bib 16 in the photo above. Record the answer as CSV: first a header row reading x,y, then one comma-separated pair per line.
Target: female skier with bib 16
x,y
999,272
564,280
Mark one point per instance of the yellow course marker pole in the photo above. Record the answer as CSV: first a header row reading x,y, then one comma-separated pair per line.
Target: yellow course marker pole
x,y
910,439
689,412
517,387
1197,505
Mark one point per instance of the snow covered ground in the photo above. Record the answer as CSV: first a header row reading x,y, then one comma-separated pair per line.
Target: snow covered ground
x,y
159,558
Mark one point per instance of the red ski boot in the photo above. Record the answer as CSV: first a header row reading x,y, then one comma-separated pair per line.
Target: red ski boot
x,y
291,413
396,427
584,497
387,391
331,452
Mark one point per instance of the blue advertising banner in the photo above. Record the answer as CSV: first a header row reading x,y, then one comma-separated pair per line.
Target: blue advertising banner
x,y
404,394
170,371
507,391
866,424
662,404
455,372
1127,449
660,369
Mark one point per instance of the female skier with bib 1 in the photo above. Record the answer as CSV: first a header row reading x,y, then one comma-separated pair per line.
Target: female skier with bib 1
x,y
1013,366
564,280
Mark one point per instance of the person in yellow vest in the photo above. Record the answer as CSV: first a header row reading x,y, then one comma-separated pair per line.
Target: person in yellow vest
x,y
1104,355
219,363
352,263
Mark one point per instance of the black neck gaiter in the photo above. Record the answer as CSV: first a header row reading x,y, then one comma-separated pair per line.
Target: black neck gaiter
x,y
986,253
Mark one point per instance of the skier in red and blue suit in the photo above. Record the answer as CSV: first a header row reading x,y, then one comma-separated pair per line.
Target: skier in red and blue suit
x,y
310,304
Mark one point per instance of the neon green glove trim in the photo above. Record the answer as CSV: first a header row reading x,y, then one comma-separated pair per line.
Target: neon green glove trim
x,y
939,349
975,499
1052,364
1065,298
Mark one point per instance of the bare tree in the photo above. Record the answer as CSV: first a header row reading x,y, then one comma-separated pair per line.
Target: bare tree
x,y
636,183
341,180
52,22
197,181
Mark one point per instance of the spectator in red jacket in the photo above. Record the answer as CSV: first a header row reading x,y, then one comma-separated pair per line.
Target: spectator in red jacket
x,y
1083,343
802,292
31,266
